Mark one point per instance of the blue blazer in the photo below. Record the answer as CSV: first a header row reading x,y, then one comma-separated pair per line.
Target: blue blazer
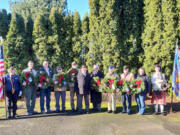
x,y
51,73
16,83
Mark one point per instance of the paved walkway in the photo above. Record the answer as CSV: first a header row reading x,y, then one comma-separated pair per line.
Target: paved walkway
x,y
91,124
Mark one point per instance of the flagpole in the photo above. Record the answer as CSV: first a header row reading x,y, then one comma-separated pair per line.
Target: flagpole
x,y
4,91
5,99
171,107
172,97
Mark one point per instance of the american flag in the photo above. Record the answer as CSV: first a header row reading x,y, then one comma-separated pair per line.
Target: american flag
x,y
1,72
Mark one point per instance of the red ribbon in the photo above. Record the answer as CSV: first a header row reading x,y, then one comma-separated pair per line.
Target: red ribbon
x,y
60,78
120,83
42,78
138,83
110,83
27,76
72,71
98,82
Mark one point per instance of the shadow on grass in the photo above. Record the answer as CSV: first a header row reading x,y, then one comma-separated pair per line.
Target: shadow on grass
x,y
70,113
134,108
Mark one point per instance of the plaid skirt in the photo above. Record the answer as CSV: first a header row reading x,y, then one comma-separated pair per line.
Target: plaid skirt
x,y
159,98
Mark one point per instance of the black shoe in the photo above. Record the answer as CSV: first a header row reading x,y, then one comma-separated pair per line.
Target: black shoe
x,y
9,117
87,112
98,111
123,112
94,110
80,112
57,111
115,112
63,111
163,113
34,113
29,113
14,116
43,112
48,111
109,111
73,110
156,113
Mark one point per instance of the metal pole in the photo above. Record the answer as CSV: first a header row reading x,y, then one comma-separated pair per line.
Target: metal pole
x,y
4,91
171,107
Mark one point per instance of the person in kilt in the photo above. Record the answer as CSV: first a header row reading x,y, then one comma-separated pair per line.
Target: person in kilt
x,y
96,97
28,81
159,87
140,97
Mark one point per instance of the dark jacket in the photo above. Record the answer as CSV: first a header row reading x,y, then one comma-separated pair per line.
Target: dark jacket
x,y
84,83
96,97
51,73
16,83
147,83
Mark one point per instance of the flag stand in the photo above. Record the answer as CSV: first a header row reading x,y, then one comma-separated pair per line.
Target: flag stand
x,y
171,106
5,103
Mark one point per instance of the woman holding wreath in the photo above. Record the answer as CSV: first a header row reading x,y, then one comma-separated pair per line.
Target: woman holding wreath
x,y
140,97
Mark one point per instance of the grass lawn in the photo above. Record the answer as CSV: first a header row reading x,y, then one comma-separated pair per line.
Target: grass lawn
x,y
22,105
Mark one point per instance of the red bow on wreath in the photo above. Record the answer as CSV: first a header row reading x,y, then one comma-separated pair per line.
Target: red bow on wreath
x,y
60,78
42,78
110,83
72,71
138,83
120,83
98,82
27,76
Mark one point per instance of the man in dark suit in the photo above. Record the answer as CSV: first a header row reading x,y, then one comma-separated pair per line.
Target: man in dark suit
x,y
84,82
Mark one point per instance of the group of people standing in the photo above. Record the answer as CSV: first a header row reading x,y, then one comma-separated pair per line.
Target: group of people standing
x,y
81,86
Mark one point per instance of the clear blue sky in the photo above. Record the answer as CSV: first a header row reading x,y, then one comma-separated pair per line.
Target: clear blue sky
x,y
80,5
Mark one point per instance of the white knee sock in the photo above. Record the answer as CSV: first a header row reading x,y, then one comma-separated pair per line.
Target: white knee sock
x,y
162,108
156,108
